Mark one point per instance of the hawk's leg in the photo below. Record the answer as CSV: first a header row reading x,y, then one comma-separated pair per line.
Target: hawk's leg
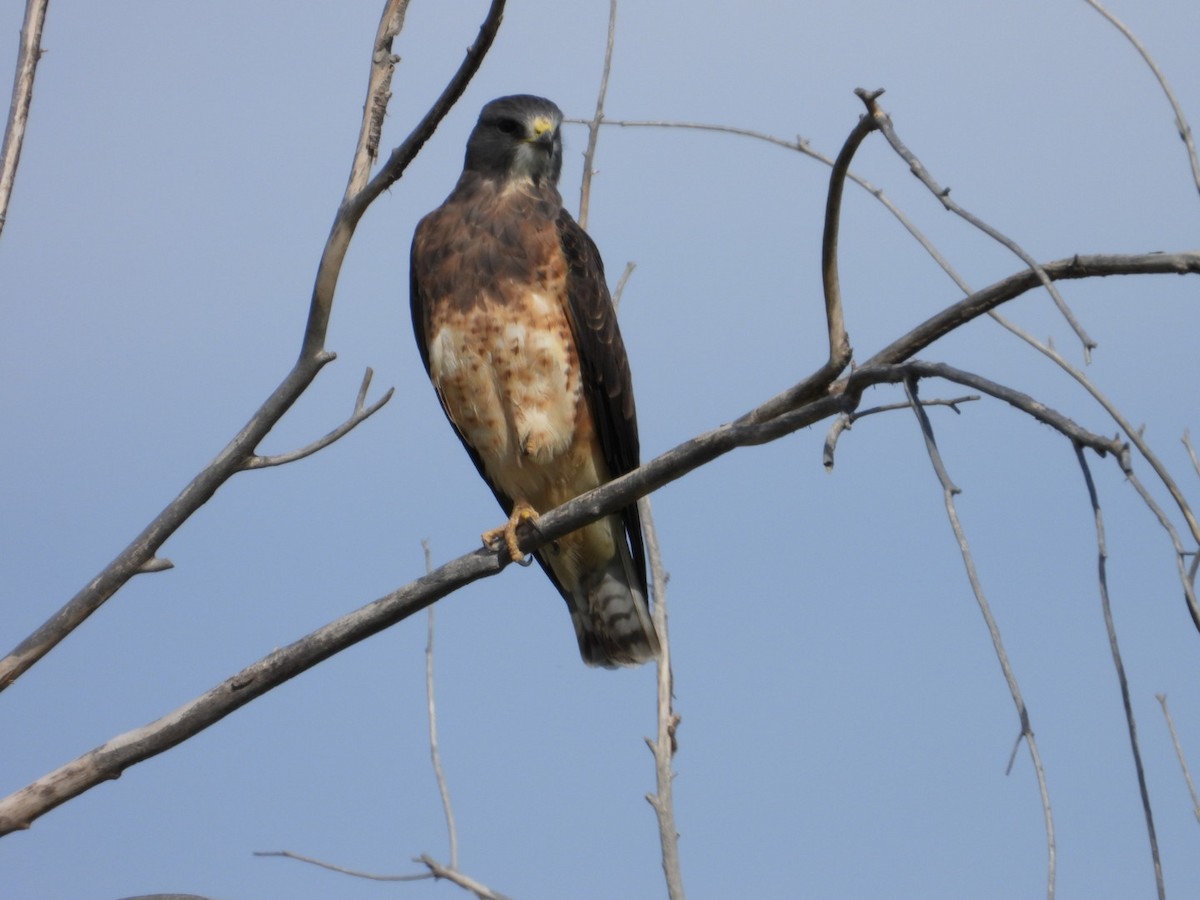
x,y
522,512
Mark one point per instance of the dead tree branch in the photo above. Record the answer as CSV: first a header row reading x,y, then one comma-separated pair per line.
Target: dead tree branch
x,y
313,357
1119,665
884,123
1181,122
22,97
665,742
949,490
1187,774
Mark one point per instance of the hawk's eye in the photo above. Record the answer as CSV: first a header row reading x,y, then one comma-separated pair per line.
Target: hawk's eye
x,y
509,126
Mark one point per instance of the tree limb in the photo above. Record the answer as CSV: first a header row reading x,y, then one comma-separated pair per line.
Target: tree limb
x,y
313,357
22,97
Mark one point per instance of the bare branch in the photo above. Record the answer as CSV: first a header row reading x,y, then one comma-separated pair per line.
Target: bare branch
x,y
1187,774
1111,629
28,57
1181,123
1139,441
621,282
233,458
996,294
1187,442
665,743
839,342
949,490
884,123
357,417
357,200
356,873
589,156
845,421
434,753
483,892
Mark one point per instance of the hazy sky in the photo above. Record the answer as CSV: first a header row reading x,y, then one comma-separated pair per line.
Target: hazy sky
x,y
845,723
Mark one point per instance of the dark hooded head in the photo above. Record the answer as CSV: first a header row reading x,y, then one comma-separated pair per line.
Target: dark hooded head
x,y
516,138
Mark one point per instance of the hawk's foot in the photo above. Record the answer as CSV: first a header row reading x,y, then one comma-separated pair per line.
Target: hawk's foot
x,y
507,532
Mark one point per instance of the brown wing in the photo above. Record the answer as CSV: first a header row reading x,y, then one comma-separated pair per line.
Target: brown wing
x,y
605,367
424,269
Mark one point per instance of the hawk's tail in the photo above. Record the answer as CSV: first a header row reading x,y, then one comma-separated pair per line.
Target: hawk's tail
x,y
610,612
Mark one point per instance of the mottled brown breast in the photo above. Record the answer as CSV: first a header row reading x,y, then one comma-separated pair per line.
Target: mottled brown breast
x,y
500,350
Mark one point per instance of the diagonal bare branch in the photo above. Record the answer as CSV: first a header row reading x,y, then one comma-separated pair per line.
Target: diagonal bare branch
x,y
22,98
589,155
360,414
1181,122
884,122
1187,774
1123,681
313,357
948,491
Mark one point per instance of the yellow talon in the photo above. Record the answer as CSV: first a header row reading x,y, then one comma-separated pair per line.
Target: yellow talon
x,y
521,513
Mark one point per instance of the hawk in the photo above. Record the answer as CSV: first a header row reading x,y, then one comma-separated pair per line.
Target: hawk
x,y
519,336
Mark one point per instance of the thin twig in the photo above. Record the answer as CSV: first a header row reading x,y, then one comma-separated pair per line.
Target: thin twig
x,y
589,156
313,357
1181,122
665,743
948,491
360,414
1111,629
619,290
434,753
482,891
356,873
1138,440
840,352
1187,442
845,421
1187,774
28,57
884,122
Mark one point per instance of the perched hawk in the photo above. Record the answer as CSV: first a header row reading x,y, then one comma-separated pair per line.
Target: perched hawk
x,y
519,336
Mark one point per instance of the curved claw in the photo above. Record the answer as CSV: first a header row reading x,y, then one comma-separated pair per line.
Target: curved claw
x,y
507,532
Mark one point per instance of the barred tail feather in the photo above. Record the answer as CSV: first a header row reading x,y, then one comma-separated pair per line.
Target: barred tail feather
x,y
611,614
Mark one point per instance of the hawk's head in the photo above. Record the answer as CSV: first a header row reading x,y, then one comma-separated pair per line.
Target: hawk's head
x,y
517,137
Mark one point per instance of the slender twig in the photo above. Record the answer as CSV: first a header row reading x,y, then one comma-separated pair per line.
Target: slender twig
x,y
1181,122
313,357
1187,774
437,870
884,123
356,873
1138,440
435,753
840,352
665,743
589,155
1187,442
358,199
1119,665
360,414
948,491
619,290
845,421
22,97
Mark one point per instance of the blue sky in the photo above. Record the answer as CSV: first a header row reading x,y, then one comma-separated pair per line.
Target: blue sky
x,y
845,723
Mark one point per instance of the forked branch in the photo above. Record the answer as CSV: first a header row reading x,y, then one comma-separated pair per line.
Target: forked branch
x,y
236,455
